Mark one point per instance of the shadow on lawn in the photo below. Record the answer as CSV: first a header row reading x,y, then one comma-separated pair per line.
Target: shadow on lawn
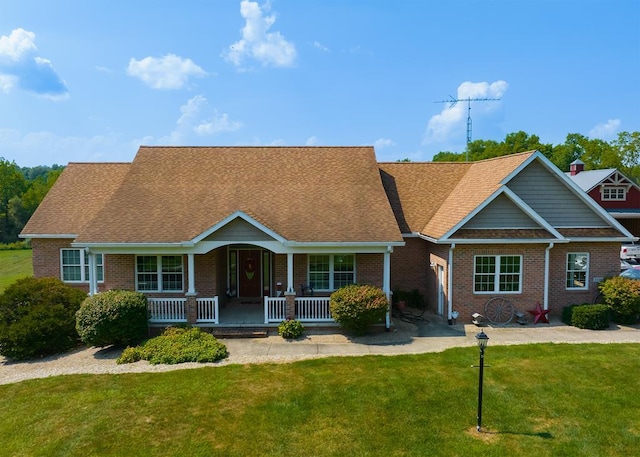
x,y
543,435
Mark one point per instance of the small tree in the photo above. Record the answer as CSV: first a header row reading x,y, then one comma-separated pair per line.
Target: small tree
x,y
117,317
37,318
622,295
358,307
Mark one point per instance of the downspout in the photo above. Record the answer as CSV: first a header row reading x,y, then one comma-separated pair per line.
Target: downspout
x,y
450,284
546,276
386,285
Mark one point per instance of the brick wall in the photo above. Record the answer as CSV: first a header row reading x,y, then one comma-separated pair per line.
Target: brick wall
x,y
370,269
410,269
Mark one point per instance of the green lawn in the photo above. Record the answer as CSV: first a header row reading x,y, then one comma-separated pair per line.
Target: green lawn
x,y
543,400
14,264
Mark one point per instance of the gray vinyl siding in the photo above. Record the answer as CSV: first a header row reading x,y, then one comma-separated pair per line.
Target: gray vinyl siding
x,y
553,199
501,213
239,230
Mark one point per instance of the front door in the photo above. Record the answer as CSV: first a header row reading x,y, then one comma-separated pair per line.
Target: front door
x,y
249,273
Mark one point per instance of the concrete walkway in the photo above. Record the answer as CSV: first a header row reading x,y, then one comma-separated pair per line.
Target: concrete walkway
x,y
404,338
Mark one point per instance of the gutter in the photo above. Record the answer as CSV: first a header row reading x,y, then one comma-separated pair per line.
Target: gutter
x,y
546,276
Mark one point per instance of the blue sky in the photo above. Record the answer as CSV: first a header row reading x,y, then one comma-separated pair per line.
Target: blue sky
x,y
93,80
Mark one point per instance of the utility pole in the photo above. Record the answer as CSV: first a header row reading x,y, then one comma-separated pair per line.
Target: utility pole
x,y
452,102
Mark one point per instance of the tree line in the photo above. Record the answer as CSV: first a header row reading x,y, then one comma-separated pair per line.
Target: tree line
x,y
21,191
622,153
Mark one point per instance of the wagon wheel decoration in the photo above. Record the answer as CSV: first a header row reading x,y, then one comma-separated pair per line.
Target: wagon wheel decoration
x,y
499,311
250,268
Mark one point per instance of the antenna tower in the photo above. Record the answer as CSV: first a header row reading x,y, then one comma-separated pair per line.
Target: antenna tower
x,y
452,102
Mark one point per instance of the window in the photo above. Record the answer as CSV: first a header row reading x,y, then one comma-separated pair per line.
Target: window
x,y
500,273
162,273
75,265
578,270
330,272
614,193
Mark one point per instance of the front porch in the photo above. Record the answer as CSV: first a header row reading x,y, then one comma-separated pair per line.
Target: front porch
x,y
207,312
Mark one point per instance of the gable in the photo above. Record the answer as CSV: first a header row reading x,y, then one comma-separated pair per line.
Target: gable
x,y
552,199
501,213
239,230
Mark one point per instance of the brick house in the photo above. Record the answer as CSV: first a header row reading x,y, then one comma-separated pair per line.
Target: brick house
x,y
210,232
612,190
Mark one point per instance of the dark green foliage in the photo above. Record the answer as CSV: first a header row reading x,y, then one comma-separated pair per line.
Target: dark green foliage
x,y
37,318
567,314
623,297
290,329
413,299
177,345
593,317
117,317
358,307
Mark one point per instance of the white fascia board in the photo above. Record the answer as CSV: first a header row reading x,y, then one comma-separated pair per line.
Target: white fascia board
x,y
581,194
47,235
624,215
502,241
575,239
245,217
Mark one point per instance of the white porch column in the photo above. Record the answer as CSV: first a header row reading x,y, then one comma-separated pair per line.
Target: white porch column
x,y
386,284
93,273
290,287
450,284
191,264
546,276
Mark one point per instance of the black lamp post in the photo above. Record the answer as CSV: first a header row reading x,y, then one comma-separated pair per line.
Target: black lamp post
x,y
483,340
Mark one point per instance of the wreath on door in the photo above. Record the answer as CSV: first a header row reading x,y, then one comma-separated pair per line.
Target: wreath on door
x,y
249,268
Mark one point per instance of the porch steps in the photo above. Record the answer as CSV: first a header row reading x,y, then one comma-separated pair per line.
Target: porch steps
x,y
240,332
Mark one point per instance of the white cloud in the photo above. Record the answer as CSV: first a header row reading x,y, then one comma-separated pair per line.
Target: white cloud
x,y
198,118
21,68
168,72
320,46
606,131
453,115
257,42
382,143
312,141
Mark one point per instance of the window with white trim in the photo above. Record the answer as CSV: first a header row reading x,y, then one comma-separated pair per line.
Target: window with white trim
x,y
610,193
577,270
74,265
331,271
497,273
159,273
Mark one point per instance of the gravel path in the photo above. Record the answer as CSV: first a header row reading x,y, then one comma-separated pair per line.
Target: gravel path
x,y
403,339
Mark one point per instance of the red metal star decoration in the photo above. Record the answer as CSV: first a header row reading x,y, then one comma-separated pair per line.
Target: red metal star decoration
x,y
540,314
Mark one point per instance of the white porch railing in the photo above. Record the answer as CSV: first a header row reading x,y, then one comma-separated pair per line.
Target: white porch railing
x,y
167,310
208,310
308,309
275,309
313,309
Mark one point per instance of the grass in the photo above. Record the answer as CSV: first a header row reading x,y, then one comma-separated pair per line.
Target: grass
x,y
14,264
542,400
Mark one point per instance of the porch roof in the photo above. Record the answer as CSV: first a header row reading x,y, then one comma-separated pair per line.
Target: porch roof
x,y
304,194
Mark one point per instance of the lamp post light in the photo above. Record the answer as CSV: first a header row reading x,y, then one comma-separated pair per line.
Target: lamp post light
x,y
483,340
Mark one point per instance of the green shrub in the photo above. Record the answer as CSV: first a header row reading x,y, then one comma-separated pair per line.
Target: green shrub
x,y
177,345
117,317
593,317
290,329
37,318
358,307
622,295
567,314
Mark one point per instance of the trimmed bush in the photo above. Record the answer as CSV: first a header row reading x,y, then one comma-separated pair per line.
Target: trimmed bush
x,y
37,318
290,329
358,307
622,295
115,317
177,345
593,317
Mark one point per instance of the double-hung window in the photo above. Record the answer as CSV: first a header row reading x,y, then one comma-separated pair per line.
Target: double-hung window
x,y
497,273
159,273
577,270
330,272
74,265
